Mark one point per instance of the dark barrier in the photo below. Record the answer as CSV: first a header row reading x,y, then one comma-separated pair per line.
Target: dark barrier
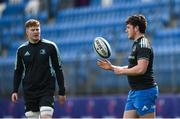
x,y
102,106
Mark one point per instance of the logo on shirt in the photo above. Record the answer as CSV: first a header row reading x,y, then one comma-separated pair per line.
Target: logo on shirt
x,y
27,53
42,51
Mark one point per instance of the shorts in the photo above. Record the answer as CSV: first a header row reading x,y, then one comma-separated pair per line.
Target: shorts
x,y
35,104
143,101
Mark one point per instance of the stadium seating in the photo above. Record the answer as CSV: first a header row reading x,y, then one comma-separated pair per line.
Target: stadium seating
x,y
74,30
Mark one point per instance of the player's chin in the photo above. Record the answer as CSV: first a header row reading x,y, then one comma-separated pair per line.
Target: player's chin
x,y
36,38
130,37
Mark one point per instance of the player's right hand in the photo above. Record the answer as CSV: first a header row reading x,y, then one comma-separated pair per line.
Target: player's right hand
x,y
14,97
61,99
105,64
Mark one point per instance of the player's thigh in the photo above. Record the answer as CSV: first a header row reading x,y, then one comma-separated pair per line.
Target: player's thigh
x,y
130,110
47,106
149,115
31,105
46,112
31,114
130,114
145,102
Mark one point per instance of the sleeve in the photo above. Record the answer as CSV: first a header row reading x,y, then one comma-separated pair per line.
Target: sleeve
x,y
56,63
143,53
18,70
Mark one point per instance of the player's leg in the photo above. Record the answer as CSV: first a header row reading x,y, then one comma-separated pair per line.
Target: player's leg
x,y
46,112
149,115
32,115
130,110
32,109
145,102
46,107
130,114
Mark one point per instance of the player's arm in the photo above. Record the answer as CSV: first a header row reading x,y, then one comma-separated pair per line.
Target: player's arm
x,y
124,67
56,63
139,69
143,55
106,64
18,70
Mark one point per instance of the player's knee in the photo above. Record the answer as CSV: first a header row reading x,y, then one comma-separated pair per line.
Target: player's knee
x,y
32,115
46,112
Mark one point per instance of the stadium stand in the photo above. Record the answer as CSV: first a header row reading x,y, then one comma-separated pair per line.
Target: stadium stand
x,y
74,29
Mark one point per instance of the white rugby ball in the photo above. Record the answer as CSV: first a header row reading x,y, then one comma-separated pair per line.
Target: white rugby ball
x,y
102,47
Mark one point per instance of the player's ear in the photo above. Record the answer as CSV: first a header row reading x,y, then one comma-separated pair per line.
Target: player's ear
x,y
136,28
26,32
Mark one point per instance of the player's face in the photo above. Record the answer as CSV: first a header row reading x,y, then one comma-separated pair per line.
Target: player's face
x,y
130,31
33,33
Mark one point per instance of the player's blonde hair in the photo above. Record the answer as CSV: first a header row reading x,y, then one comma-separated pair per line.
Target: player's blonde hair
x,y
31,23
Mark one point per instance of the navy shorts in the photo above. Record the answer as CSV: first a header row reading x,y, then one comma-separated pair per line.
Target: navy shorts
x,y
143,101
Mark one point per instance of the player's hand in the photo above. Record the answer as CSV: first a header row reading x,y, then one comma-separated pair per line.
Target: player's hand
x,y
14,97
105,64
61,99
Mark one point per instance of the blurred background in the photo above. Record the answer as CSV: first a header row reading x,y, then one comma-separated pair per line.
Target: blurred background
x,y
73,25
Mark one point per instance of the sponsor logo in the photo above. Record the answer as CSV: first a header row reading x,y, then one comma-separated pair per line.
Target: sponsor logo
x,y
27,53
42,51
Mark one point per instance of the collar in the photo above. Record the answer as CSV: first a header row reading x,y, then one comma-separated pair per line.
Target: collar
x,y
136,40
35,43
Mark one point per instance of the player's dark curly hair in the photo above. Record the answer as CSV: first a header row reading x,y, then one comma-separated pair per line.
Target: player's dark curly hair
x,y
138,20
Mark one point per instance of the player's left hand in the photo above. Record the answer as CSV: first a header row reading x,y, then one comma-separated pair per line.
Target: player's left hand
x,y
61,99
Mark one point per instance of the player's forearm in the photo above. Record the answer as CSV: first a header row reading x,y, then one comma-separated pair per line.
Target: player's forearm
x,y
125,67
60,81
113,67
134,71
16,81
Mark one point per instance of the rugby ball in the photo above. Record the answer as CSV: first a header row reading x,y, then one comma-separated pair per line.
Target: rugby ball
x,y
102,47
